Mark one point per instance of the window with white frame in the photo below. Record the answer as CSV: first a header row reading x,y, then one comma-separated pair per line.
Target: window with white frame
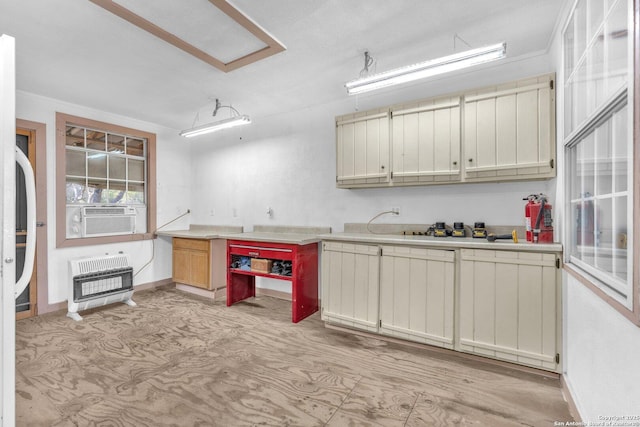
x,y
106,182
598,138
104,167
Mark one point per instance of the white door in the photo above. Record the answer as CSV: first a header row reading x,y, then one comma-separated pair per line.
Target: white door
x,y
7,219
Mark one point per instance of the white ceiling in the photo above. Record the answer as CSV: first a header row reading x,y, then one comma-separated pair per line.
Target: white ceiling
x,y
78,52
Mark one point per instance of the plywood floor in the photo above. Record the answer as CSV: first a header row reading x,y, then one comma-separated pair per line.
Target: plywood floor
x,y
180,360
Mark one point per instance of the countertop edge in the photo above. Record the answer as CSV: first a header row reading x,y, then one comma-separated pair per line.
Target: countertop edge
x,y
187,234
444,242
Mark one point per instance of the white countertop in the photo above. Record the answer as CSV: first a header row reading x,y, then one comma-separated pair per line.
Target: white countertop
x,y
441,242
206,232
293,235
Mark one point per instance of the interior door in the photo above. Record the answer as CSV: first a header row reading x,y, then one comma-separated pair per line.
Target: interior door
x,y
7,237
26,301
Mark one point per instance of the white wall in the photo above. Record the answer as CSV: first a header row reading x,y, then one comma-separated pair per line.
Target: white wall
x,y
600,347
173,193
287,162
602,353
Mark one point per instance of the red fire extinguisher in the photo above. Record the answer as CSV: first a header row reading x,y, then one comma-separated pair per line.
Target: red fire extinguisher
x,y
527,216
538,219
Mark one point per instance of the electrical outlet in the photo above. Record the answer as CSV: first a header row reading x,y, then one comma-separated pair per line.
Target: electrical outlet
x,y
395,211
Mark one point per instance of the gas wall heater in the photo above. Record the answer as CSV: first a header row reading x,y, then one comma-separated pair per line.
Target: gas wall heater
x,y
108,220
98,281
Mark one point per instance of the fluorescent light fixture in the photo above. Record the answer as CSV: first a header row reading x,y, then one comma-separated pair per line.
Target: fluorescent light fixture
x,y
216,126
430,68
235,120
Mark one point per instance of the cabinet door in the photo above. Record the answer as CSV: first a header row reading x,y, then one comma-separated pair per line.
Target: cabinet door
x,y
181,265
362,149
509,131
200,269
350,280
417,294
426,142
509,306
192,262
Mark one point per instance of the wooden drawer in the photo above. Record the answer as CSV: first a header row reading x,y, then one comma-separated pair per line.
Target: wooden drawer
x,y
195,244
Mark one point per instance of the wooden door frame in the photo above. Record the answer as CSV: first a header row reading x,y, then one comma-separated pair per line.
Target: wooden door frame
x,y
38,131
33,282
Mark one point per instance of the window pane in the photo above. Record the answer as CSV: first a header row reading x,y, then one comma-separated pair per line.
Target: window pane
x,y
586,165
569,49
115,143
580,94
595,10
95,190
580,25
75,161
117,192
75,136
96,140
617,37
136,193
596,83
620,259
135,147
97,165
620,145
604,219
75,190
136,170
117,167
604,162
568,108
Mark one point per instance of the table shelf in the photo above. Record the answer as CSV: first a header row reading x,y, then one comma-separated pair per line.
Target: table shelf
x,y
257,273
303,278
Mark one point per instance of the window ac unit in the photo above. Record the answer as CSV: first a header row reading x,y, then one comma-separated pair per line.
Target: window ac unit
x,y
108,220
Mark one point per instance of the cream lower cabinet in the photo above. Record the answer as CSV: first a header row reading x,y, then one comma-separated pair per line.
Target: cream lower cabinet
x,y
510,305
350,283
417,294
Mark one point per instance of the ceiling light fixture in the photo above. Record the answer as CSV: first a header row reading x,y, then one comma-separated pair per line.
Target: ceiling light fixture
x,y
425,69
236,120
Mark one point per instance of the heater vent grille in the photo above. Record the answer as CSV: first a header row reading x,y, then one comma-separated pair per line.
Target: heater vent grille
x,y
97,281
98,264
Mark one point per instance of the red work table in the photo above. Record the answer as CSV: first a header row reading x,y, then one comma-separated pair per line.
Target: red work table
x,y
301,250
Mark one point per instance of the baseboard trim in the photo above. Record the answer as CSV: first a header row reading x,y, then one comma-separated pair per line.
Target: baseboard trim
x,y
152,285
59,306
451,353
205,293
568,397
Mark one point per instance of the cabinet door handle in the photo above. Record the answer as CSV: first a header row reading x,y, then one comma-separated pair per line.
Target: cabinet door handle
x,y
382,167
455,163
470,160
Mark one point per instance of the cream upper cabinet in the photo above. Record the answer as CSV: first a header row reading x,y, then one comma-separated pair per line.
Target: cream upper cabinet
x,y
509,131
362,149
417,294
350,282
425,145
510,306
